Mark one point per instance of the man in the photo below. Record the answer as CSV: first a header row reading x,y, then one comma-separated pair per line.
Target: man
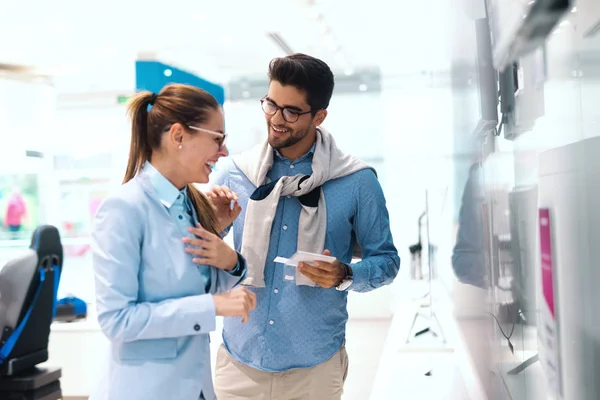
x,y
299,192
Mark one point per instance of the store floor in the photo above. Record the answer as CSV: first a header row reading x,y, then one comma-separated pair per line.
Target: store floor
x,y
427,367
424,369
384,367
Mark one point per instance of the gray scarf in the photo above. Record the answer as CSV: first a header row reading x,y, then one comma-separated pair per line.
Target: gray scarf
x,y
328,163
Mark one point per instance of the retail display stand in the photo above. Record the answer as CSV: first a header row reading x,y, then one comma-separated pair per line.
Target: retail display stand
x,y
426,307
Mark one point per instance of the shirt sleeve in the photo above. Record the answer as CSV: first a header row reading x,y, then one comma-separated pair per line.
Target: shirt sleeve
x,y
380,260
240,268
227,280
220,174
220,177
117,242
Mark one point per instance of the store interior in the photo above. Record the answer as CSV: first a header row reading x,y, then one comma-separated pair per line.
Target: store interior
x,y
484,138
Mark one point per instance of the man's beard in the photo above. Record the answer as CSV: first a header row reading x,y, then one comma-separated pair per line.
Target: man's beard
x,y
291,138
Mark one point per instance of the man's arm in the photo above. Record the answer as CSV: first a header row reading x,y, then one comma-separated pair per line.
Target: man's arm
x,y
220,174
220,177
380,261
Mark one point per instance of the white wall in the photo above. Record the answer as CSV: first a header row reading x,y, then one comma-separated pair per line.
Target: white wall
x,y
404,131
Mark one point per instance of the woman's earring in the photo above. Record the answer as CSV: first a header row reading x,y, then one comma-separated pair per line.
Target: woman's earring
x,y
180,146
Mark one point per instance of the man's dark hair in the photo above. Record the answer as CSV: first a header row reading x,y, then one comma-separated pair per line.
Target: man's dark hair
x,y
305,73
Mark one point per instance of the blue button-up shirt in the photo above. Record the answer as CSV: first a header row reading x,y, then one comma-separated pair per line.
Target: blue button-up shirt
x,y
301,326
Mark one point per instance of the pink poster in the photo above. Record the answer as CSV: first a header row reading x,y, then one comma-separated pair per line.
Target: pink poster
x,y
549,348
546,254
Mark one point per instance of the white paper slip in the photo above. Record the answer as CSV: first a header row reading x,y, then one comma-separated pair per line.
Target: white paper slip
x,y
303,256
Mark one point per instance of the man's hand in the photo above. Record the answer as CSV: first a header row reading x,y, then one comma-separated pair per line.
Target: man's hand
x,y
210,249
324,274
221,197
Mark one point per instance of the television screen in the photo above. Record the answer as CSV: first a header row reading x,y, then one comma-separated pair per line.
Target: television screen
x,y
520,26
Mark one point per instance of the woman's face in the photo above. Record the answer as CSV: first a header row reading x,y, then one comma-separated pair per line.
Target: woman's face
x,y
201,147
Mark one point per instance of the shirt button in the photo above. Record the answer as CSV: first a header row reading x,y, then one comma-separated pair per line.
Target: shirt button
x,y
276,291
285,227
292,166
181,217
271,322
289,196
196,327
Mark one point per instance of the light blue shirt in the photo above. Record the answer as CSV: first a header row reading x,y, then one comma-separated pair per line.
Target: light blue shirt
x,y
179,208
154,303
182,212
300,326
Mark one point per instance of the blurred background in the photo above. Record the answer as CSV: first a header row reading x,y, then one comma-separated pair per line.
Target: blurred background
x,y
478,116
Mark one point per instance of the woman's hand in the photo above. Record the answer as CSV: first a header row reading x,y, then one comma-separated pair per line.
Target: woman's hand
x,y
235,303
222,198
210,249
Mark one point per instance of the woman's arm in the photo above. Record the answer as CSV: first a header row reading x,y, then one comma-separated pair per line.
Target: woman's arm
x,y
226,280
117,241
229,267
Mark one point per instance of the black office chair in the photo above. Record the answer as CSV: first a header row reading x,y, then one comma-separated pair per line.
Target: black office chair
x,y
28,290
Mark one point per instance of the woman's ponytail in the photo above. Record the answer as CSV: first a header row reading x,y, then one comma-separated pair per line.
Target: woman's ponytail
x,y
205,210
139,148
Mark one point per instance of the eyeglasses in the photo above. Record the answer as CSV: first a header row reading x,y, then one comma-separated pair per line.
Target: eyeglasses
x,y
221,136
290,115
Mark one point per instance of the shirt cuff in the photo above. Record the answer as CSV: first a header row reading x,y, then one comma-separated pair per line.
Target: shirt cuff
x,y
360,276
239,268
225,231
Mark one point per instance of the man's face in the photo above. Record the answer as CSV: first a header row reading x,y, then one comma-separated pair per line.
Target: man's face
x,y
282,132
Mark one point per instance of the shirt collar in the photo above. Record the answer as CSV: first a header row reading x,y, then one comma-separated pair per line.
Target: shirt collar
x,y
166,191
310,152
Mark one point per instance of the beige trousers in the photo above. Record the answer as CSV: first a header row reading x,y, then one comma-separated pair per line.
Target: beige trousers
x,y
235,381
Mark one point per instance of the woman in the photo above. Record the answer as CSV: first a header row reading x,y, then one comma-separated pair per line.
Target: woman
x,y
156,302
